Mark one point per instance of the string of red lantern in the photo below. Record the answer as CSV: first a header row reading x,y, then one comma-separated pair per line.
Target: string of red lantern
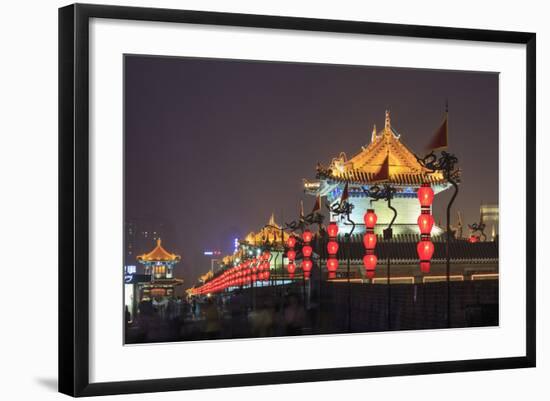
x,y
332,249
291,255
307,264
425,248
369,241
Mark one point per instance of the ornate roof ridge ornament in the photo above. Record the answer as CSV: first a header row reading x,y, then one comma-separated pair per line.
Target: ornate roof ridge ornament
x,y
159,254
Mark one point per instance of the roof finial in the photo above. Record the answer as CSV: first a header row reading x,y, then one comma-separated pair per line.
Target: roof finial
x,y
373,137
272,219
158,241
387,124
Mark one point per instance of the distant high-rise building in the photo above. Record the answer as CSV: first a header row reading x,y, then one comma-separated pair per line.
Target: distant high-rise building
x,y
488,215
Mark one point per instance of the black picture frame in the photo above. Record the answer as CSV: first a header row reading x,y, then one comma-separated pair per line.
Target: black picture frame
x,y
74,199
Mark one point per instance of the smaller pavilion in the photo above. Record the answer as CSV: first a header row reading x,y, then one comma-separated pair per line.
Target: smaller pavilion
x,y
159,264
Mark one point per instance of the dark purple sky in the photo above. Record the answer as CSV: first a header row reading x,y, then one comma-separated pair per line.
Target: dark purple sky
x,y
213,147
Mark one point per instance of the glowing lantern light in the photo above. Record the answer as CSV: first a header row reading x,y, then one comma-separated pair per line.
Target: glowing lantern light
x,y
425,195
370,262
425,249
291,241
332,247
291,254
332,229
307,264
473,239
370,219
425,267
306,267
291,269
307,251
426,223
369,241
332,265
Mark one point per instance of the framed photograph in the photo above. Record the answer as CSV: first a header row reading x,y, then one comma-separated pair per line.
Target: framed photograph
x,y
249,199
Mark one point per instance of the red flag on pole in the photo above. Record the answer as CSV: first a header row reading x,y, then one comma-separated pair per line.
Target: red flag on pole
x,y
440,140
384,173
345,194
317,205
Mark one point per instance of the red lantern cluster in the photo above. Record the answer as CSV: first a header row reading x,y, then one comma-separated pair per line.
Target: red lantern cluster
x,y
291,255
425,248
307,264
263,266
246,272
369,241
332,249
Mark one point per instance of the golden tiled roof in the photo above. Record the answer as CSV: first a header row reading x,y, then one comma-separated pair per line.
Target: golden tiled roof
x,y
361,168
159,254
270,233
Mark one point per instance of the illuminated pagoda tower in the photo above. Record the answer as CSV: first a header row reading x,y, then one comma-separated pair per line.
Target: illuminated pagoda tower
x,y
159,264
406,175
271,234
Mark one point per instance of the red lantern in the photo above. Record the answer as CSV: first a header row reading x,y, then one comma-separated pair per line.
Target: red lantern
x,y
425,267
332,265
307,236
332,229
425,195
425,222
291,254
473,239
291,268
266,275
291,241
369,240
332,247
307,251
307,265
425,249
370,219
370,261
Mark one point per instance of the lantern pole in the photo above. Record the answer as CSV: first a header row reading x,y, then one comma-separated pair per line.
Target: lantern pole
x,y
348,235
447,248
345,208
387,193
446,164
387,236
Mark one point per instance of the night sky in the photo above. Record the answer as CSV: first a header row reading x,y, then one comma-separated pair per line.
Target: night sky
x,y
213,147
